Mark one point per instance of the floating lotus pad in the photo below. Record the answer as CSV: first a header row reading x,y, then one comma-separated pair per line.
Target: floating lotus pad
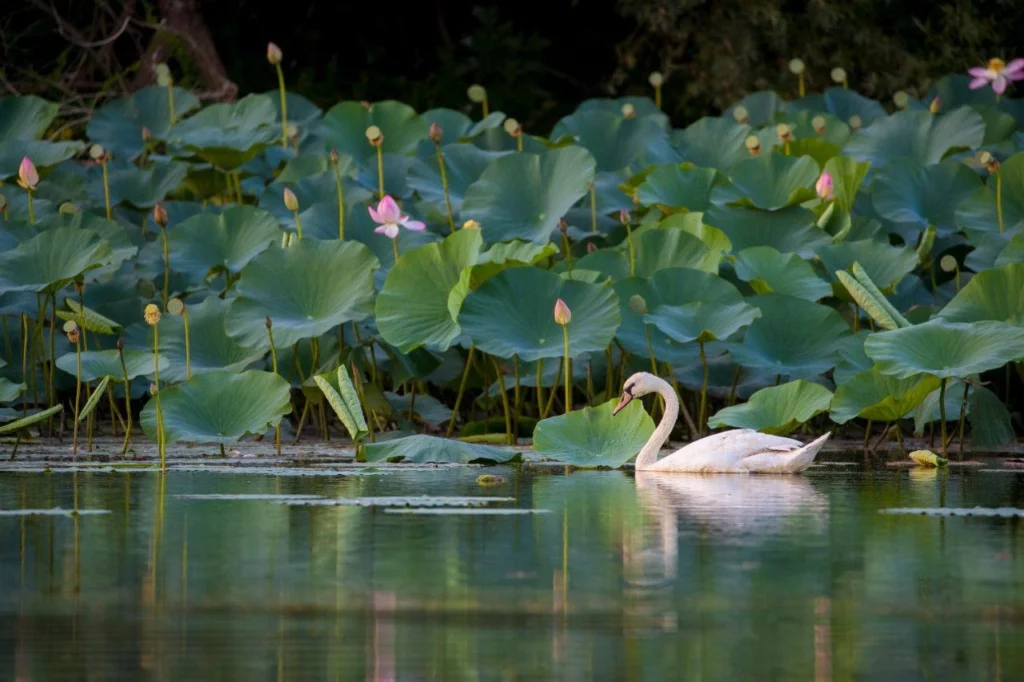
x,y
592,437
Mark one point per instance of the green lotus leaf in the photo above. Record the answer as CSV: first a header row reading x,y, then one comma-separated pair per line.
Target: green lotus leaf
x,y
118,124
778,410
209,242
417,305
219,407
945,349
52,259
43,154
885,265
978,213
907,192
428,449
792,338
344,128
456,126
762,108
791,230
767,271
305,289
879,397
655,249
706,308
1012,253
513,314
9,391
25,117
919,135
523,196
97,364
614,141
229,135
771,182
592,437
676,186
143,187
847,176
996,294
713,142
464,164
991,424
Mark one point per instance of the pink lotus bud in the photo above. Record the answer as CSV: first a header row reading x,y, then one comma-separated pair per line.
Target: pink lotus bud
x,y
562,313
290,201
274,54
824,187
28,176
160,214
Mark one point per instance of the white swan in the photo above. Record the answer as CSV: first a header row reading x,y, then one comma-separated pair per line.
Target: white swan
x,y
734,451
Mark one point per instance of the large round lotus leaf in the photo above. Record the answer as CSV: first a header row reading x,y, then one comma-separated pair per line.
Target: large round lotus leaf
x,y
513,314
792,338
920,135
592,437
464,163
879,397
211,348
1013,252
422,449
97,364
778,410
456,126
770,182
118,124
219,407
907,192
42,153
705,308
885,265
523,196
996,294
791,230
762,107
305,289
713,142
419,304
26,117
767,271
655,249
229,135
141,187
51,259
978,213
614,141
676,186
945,349
344,128
210,242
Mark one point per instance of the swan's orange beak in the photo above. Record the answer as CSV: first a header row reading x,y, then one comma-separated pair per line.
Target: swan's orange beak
x,y
623,401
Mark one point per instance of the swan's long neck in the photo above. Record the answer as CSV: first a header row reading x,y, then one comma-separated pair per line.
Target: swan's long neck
x,y
649,454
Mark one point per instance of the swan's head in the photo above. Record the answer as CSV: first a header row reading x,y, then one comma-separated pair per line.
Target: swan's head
x,y
637,385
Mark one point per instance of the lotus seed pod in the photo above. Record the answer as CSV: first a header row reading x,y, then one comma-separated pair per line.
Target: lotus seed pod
x,y
796,66
471,225
476,93
753,145
901,99
948,263
740,113
562,313
818,123
274,54
936,105
375,136
160,214
854,122
784,132
28,176
67,208
267,322
96,152
175,306
637,304
512,127
290,201
838,75
436,133
656,79
628,110
70,326
152,314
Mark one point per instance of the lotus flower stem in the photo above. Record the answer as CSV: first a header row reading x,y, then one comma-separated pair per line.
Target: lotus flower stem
x,y
504,402
78,393
444,185
942,413
702,414
963,413
540,386
341,194
284,105
568,369
127,398
106,185
462,389
999,199
554,390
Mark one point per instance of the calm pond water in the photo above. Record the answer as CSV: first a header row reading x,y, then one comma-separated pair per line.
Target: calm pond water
x,y
621,577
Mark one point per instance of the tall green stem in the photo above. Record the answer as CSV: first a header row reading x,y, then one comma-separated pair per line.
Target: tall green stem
x,y
568,369
462,389
444,184
284,106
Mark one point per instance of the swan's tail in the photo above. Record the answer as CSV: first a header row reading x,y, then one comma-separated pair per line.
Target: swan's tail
x,y
802,458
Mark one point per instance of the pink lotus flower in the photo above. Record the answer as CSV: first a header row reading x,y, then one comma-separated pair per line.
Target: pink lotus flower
x,y
998,73
389,215
28,176
824,187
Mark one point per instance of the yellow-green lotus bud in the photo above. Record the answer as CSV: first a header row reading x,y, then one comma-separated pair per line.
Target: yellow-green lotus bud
x,y
839,75
476,93
948,263
637,304
740,113
901,99
796,66
656,79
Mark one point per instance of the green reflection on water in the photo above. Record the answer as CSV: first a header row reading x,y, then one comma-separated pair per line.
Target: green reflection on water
x,y
645,577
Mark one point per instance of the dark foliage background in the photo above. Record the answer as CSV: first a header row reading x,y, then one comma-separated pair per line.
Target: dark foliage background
x,y
537,61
